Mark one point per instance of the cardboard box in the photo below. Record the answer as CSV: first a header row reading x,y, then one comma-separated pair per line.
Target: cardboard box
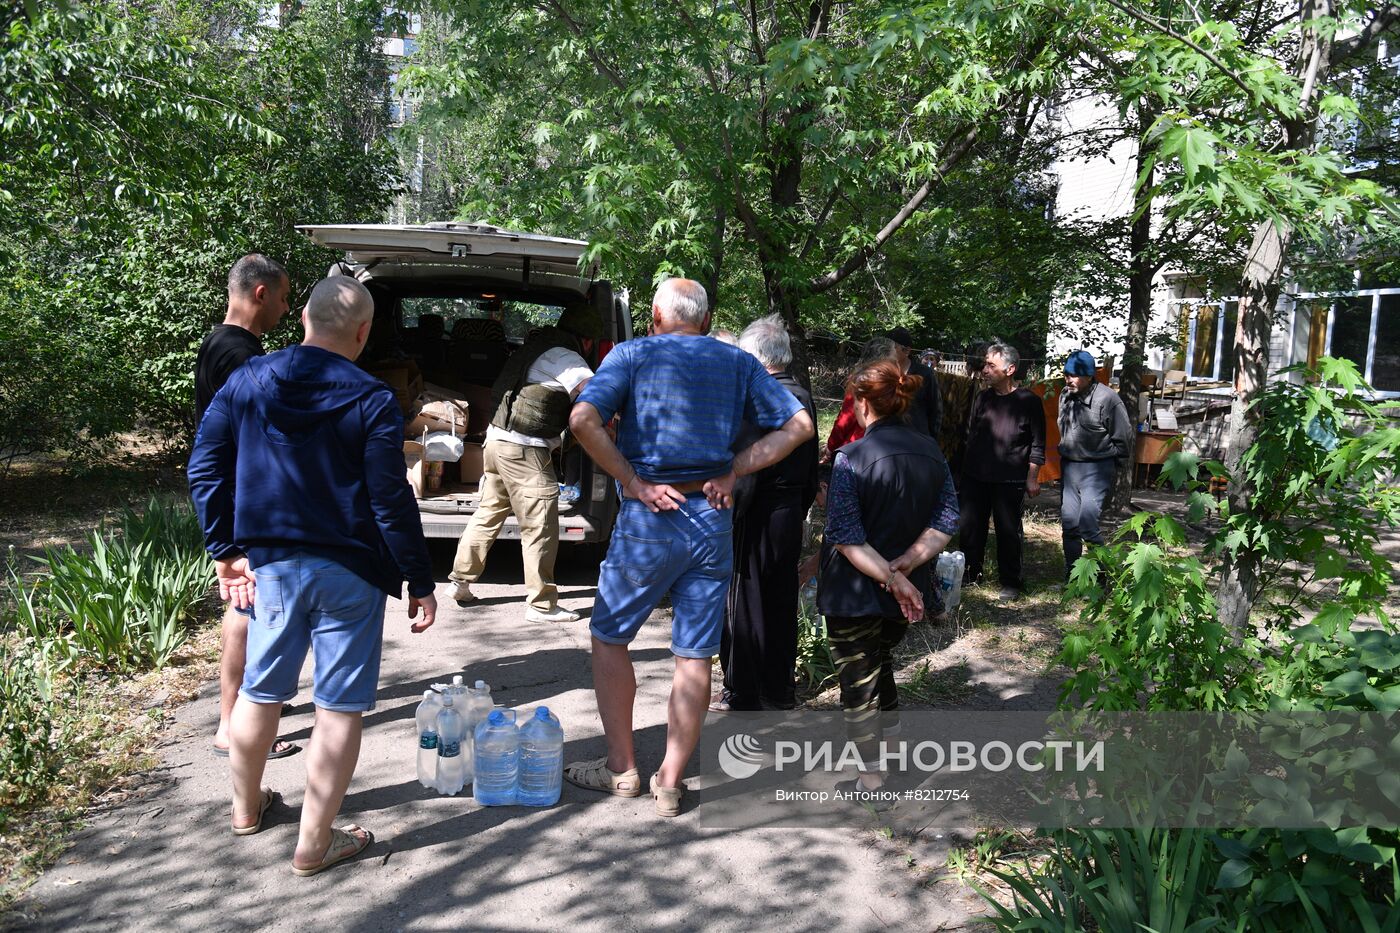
x,y
470,467
404,378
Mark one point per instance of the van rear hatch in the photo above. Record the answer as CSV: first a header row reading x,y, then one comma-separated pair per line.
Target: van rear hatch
x,y
408,251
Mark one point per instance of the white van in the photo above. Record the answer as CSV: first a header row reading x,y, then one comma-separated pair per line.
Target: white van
x,y
455,300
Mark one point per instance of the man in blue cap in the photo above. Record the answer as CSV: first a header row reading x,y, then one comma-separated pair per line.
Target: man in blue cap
x,y
1094,437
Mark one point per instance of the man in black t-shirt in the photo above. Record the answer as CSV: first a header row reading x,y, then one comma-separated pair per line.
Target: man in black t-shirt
x,y
258,291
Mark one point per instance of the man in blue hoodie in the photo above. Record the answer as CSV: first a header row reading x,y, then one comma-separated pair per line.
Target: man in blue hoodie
x,y
298,478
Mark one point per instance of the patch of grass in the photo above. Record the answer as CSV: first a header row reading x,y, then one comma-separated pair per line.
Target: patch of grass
x,y
929,685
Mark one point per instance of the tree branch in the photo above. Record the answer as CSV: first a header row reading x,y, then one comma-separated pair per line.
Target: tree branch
x,y
1385,17
1209,56
956,152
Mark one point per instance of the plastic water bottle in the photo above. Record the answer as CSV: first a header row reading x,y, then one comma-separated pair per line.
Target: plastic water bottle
x,y
497,759
807,598
541,760
451,764
949,572
426,720
475,708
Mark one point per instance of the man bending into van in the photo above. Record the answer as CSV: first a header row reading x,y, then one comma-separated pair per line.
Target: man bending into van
x,y
258,289
683,397
532,397
298,478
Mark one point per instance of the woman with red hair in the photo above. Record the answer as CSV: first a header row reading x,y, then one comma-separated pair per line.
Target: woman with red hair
x,y
891,508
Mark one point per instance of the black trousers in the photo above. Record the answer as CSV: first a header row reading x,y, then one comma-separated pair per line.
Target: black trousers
x,y
758,648
862,648
1002,503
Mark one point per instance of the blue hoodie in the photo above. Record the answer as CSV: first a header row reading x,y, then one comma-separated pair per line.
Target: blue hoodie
x,y
302,451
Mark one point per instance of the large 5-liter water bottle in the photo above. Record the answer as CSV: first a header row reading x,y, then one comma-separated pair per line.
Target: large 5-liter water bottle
x,y
451,767
497,759
541,760
426,720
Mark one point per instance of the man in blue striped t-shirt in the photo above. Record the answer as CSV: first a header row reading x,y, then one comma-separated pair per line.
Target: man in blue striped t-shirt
x,y
682,397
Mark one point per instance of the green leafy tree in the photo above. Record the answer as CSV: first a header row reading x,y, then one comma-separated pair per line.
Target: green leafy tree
x,y
771,150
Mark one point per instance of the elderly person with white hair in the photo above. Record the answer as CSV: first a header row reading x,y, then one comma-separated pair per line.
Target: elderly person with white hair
x,y
683,398
759,649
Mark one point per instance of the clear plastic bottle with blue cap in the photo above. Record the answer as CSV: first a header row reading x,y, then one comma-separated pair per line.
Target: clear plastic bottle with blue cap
x,y
541,760
497,759
426,721
451,764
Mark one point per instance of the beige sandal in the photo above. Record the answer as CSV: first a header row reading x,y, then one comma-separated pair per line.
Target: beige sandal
x,y
344,845
268,797
596,775
668,799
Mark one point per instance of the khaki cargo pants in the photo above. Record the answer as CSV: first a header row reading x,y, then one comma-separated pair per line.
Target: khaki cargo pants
x,y
516,479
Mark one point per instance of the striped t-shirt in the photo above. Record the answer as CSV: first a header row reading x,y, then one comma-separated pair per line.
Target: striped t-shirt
x,y
682,398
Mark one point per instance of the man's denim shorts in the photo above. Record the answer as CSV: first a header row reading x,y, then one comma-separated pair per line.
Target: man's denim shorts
x,y
311,602
688,553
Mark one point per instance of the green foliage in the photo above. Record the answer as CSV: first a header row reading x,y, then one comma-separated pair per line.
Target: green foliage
x,y
1321,473
126,600
32,749
1152,639
752,148
154,145
814,660
1322,488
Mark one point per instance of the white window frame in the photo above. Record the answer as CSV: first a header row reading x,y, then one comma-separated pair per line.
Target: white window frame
x,y
1375,294
1304,299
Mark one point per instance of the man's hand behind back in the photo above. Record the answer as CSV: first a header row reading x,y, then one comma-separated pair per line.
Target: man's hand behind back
x,y
429,606
720,490
236,583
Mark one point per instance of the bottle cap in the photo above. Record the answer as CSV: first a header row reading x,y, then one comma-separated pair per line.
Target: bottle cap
x,y
481,685
427,694
496,718
456,680
542,713
447,700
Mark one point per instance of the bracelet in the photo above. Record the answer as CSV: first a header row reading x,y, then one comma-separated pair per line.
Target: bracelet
x,y
886,585
629,481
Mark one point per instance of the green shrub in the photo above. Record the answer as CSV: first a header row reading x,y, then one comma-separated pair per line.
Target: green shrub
x,y
1321,489
126,599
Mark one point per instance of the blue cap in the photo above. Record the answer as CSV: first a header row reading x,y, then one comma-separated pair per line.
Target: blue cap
x,y
542,712
1080,363
496,718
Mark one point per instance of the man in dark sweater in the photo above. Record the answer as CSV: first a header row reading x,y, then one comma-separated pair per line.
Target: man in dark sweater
x,y
298,479
258,290
1005,450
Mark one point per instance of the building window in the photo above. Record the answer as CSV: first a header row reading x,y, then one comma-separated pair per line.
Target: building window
x,y
1363,328
1206,338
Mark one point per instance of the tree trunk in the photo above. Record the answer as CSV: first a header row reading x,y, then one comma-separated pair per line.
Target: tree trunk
x,y
1140,272
1259,291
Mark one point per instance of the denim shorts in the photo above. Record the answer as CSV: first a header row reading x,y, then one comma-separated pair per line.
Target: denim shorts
x,y
307,602
687,553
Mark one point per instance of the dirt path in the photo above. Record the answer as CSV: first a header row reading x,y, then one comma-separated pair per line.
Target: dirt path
x,y
164,860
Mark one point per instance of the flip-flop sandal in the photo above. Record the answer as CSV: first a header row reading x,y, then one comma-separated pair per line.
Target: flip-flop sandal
x,y
345,844
280,749
595,775
269,796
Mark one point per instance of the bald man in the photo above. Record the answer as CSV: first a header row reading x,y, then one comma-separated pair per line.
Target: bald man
x,y
298,478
